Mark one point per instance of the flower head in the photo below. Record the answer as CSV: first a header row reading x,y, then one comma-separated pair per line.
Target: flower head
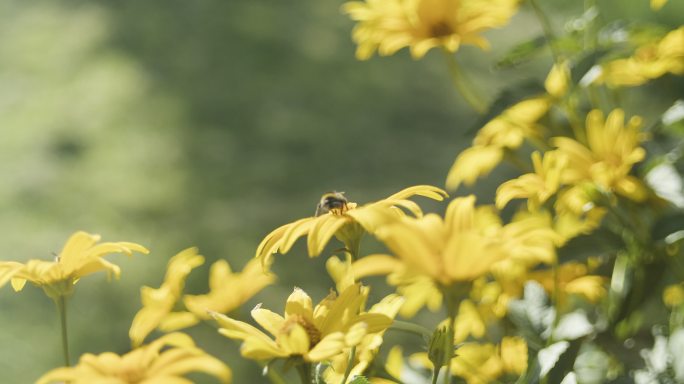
x,y
506,131
164,360
312,333
367,349
390,25
228,289
80,256
466,243
537,187
347,223
648,62
158,303
613,148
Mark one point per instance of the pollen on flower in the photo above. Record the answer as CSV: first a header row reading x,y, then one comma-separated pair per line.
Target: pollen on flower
x,y
311,331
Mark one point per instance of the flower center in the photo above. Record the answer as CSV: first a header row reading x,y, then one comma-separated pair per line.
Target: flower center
x,y
440,29
311,331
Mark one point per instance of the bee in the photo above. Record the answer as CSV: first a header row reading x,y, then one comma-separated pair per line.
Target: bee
x,y
330,201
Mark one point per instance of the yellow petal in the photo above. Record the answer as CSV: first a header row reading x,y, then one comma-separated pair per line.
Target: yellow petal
x,y
299,303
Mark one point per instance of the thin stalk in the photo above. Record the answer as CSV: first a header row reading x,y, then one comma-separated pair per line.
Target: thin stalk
x,y
435,374
545,23
464,86
304,370
405,326
451,313
272,375
61,308
350,364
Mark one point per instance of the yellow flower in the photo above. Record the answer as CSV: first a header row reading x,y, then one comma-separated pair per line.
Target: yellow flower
x,y
312,333
536,187
150,364
558,80
673,295
390,25
657,4
80,256
506,131
466,244
613,148
158,304
347,223
484,363
648,62
572,278
367,349
228,290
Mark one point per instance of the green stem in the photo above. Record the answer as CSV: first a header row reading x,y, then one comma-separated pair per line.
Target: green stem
x,y
463,85
350,365
405,326
451,313
272,375
549,35
61,308
435,373
304,370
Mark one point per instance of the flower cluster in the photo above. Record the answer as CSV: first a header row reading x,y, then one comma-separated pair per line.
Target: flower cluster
x,y
538,285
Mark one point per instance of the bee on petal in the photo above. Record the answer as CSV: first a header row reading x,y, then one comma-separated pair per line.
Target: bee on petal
x,y
331,201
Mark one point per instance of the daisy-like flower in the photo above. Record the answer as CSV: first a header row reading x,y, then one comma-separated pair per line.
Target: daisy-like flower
x,y
81,256
158,303
536,187
228,290
387,26
311,333
571,278
435,253
366,351
648,62
484,363
165,360
348,222
506,131
466,243
613,148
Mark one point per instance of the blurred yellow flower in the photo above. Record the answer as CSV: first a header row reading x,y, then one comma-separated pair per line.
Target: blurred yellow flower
x,y
558,80
466,243
228,290
158,303
484,363
165,360
648,62
80,256
506,131
347,223
673,295
572,278
536,187
312,333
390,25
657,4
613,148
367,349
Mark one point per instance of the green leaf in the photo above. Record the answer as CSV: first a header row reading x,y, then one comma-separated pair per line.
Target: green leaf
x,y
669,228
521,53
597,243
532,315
586,62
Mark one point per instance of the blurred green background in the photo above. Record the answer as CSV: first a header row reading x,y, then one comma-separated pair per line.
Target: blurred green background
x,y
209,123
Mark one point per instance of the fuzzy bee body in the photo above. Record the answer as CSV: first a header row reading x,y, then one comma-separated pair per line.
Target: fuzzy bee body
x,y
331,201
